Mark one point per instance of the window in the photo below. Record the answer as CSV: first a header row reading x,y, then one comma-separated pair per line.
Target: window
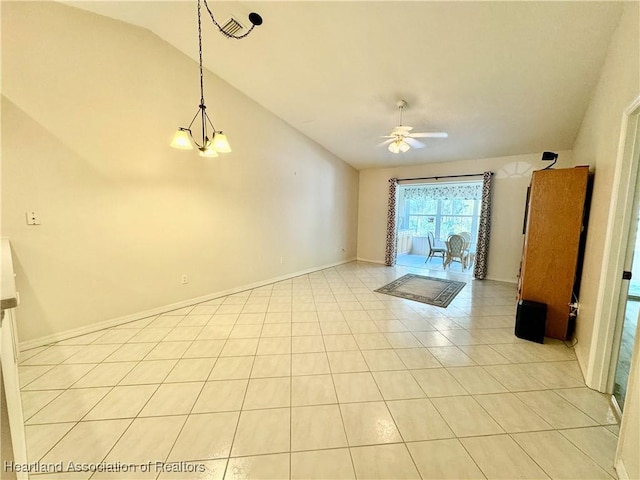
x,y
443,209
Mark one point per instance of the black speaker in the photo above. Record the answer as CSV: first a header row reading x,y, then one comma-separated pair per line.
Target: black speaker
x,y
531,320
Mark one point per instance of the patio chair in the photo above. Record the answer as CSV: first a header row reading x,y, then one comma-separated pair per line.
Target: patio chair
x,y
456,251
433,250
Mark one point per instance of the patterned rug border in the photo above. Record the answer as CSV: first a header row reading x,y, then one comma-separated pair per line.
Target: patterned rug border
x,y
442,299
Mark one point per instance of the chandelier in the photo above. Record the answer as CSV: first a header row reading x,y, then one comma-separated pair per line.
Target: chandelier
x,y
209,141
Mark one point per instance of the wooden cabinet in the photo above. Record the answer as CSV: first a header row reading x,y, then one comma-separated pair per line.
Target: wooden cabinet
x,y
555,227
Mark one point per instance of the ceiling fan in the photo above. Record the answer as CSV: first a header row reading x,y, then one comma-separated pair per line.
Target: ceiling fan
x,y
402,140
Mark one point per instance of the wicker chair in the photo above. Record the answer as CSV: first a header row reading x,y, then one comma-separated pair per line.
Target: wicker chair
x,y
456,251
470,255
467,237
433,251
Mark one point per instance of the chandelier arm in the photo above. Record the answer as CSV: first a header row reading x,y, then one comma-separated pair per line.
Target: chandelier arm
x,y
210,123
204,125
193,120
188,129
228,35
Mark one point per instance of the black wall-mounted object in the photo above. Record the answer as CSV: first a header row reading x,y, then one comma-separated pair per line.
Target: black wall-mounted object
x,y
548,157
255,19
526,210
531,320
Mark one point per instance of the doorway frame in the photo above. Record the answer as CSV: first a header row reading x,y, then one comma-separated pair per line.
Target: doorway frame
x,y
606,325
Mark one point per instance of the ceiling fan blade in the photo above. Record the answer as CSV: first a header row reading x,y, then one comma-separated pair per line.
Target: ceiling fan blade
x,y
386,142
401,130
413,143
387,136
429,135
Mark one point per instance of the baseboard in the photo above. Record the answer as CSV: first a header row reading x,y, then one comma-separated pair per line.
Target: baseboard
x,y
621,470
379,262
114,322
503,280
582,364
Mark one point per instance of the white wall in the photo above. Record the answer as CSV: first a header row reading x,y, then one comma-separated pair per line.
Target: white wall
x,y
597,145
512,176
89,107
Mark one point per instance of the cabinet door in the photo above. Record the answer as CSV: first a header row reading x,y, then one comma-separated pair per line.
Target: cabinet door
x,y
554,224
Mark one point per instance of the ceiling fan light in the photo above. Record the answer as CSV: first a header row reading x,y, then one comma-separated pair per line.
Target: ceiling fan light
x,y
182,140
404,147
394,147
220,143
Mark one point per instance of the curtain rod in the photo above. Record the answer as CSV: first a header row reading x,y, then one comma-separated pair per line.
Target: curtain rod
x,y
443,176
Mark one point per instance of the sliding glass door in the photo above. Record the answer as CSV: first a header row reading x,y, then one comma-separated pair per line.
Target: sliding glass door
x,y
442,217
442,210
628,315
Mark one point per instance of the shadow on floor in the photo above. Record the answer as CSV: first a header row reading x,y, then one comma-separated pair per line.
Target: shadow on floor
x,y
435,263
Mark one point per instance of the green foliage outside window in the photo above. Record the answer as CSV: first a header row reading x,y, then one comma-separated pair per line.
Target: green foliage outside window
x,y
442,217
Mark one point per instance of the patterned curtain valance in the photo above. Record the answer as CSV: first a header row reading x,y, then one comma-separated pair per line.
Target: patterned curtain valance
x,y
466,191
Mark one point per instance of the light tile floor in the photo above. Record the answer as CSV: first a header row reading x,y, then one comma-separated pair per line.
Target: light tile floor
x,y
319,377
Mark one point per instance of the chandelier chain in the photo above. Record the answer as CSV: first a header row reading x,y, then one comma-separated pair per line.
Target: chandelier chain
x,y
200,54
208,146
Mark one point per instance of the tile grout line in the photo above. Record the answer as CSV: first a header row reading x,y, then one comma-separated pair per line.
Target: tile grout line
x,y
204,383
76,422
404,443
527,454
291,393
490,345
344,428
235,432
141,409
582,450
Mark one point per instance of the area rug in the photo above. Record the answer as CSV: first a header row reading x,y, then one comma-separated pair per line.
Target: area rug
x,y
431,290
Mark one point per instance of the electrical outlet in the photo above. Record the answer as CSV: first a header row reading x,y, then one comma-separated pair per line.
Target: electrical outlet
x,y
185,279
281,260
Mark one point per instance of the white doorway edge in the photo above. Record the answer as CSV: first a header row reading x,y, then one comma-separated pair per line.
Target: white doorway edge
x,y
598,371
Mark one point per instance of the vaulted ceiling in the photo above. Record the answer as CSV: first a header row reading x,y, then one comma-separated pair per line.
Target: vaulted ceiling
x,y
502,78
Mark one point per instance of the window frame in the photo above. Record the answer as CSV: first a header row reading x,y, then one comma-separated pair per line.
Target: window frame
x,y
407,215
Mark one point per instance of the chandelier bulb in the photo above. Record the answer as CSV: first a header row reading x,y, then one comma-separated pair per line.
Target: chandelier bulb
x,y
220,143
182,139
208,151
